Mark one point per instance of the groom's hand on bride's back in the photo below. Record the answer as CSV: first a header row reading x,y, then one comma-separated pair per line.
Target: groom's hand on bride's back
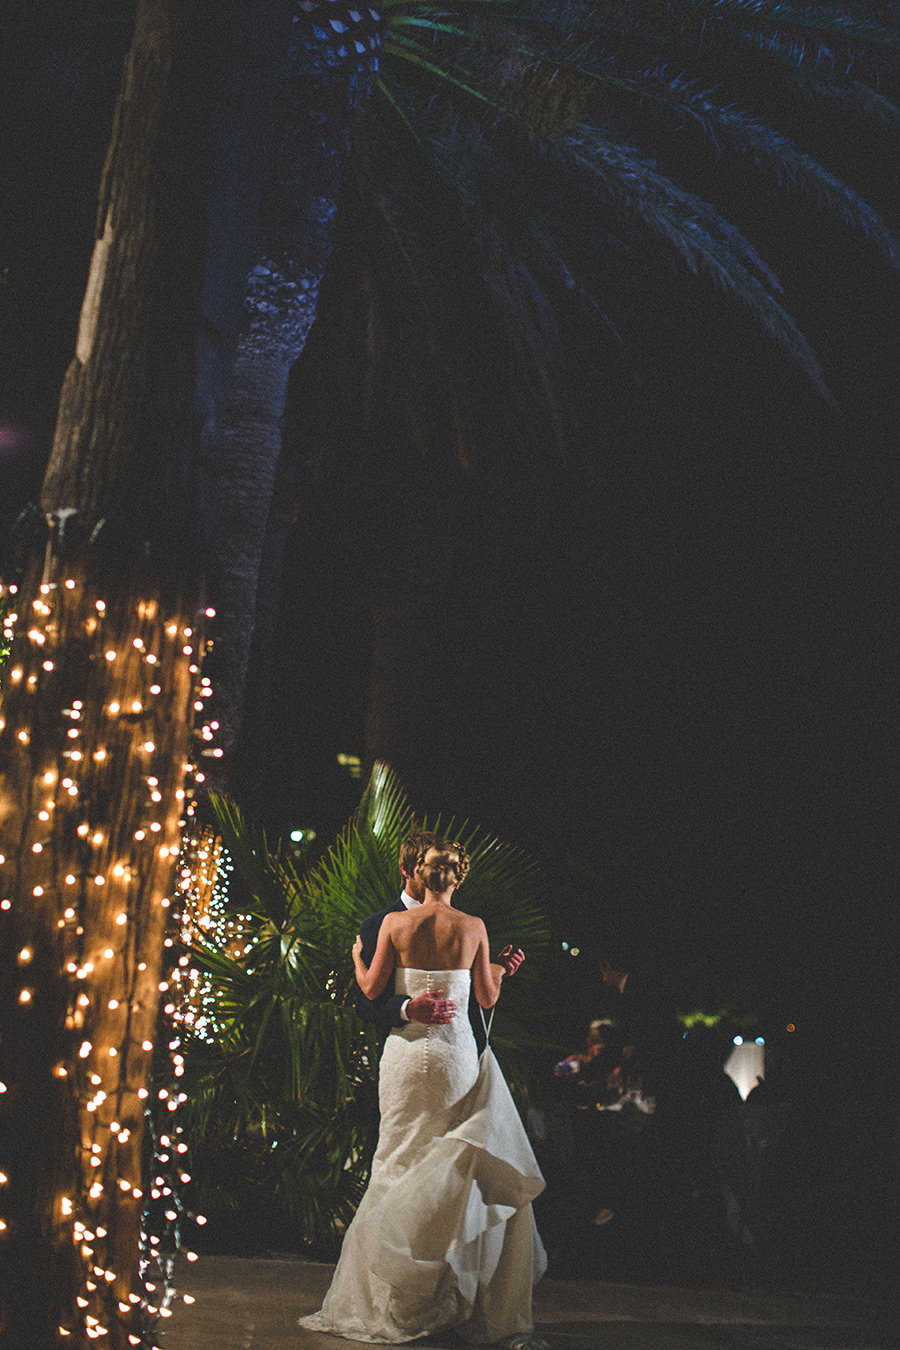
x,y
432,1009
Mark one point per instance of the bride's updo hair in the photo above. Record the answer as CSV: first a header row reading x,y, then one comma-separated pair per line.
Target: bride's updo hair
x,y
443,865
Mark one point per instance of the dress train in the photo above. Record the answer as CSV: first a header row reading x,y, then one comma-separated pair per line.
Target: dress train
x,y
444,1235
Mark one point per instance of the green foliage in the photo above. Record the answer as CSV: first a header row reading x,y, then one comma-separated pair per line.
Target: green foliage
x,y
518,162
281,1077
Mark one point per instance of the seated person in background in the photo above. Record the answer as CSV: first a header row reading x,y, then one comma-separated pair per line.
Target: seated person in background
x,y
596,1073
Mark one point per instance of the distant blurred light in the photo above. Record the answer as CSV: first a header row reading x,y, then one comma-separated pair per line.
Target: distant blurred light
x,y
565,946
760,1040
575,951
746,1066
16,440
739,1040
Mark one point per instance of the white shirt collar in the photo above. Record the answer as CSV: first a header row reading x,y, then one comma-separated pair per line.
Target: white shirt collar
x,y
409,902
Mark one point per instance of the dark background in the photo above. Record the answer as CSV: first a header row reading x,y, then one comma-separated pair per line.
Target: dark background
x,y
667,668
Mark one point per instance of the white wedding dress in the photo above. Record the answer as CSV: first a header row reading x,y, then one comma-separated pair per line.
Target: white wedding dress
x,y
444,1235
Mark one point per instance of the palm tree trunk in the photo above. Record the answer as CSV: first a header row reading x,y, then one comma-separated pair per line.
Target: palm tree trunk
x,y
96,719
95,739
248,458
319,106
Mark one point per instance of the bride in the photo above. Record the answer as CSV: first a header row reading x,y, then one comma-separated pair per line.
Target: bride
x,y
444,1235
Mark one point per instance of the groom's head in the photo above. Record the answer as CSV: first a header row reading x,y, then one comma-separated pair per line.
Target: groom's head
x,y
411,850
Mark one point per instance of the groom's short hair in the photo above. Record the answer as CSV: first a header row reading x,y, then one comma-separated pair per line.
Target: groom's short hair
x,y
412,848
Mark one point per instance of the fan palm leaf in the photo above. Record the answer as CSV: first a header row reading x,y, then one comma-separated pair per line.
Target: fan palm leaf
x,y
513,121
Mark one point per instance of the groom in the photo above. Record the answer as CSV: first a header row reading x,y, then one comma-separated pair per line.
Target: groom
x,y
389,1009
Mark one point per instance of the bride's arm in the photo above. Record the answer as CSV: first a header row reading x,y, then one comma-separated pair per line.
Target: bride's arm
x,y
486,975
373,980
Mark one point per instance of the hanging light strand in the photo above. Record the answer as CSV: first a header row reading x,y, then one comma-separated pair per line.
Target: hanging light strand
x,y
92,883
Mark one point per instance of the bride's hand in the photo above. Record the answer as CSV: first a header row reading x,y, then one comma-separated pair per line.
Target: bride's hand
x,y
356,953
510,960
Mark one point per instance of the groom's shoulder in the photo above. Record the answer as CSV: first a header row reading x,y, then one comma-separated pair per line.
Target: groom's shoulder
x,y
374,921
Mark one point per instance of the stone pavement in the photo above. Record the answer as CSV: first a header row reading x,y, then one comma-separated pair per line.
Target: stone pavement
x,y
254,1305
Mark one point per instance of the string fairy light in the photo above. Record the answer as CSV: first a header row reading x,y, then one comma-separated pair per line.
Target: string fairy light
x,y
99,940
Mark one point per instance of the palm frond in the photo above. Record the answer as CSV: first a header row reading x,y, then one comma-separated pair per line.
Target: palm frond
x,y
518,118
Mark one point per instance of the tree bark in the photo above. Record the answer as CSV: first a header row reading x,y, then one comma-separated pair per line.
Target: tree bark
x,y
96,722
318,108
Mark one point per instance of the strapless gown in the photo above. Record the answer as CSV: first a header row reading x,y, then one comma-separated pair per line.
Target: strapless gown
x,y
444,1235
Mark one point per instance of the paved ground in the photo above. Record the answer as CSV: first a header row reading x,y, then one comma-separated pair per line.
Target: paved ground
x,y
254,1305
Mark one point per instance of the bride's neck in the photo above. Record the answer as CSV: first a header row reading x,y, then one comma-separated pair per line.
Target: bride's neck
x,y
439,898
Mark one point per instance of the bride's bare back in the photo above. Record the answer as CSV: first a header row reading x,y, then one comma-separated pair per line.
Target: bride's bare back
x,y
435,937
